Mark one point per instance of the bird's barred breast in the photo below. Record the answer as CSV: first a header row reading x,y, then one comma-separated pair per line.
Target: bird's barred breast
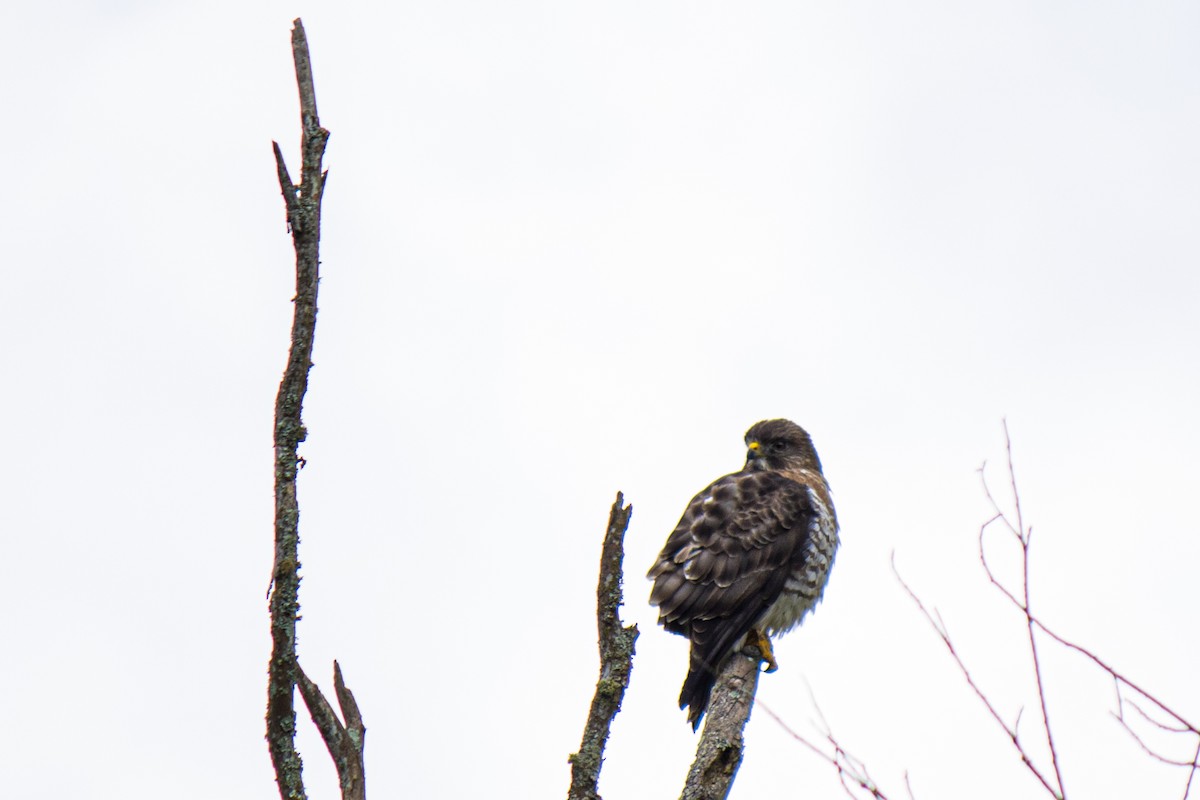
x,y
806,584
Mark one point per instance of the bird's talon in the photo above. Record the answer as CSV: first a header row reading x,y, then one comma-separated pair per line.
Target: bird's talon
x,y
760,640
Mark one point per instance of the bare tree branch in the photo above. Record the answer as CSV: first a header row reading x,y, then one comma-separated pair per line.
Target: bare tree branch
x,y
304,220
616,658
1022,536
850,769
1187,789
940,628
1163,726
345,742
1025,535
1122,681
852,773
1120,717
721,747
719,752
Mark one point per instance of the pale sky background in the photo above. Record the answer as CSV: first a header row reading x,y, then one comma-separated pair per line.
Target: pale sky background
x,y
570,249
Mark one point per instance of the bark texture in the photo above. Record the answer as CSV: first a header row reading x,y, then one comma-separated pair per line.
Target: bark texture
x,y
345,742
616,659
719,753
303,203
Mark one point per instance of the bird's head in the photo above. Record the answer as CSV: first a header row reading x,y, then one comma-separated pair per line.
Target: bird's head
x,y
780,444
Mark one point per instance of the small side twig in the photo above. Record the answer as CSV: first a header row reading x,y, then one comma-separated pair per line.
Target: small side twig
x,y
852,772
1123,682
1119,715
616,658
345,742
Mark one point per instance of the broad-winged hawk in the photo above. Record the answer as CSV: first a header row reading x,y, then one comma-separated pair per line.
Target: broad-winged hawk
x,y
750,556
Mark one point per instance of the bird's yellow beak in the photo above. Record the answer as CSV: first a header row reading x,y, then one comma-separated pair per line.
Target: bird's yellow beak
x,y
753,450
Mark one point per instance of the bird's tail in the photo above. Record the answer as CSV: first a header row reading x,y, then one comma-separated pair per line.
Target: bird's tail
x,y
697,688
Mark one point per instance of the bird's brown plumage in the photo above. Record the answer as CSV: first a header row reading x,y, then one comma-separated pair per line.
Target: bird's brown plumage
x,y
752,550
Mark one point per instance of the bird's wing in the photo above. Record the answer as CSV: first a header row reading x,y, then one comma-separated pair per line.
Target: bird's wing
x,y
728,559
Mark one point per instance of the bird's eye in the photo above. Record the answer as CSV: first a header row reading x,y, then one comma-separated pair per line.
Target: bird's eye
x,y
778,447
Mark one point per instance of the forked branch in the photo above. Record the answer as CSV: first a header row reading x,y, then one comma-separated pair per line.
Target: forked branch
x,y
344,741
1157,713
303,204
852,772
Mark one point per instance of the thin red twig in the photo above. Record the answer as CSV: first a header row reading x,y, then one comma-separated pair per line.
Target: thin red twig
x,y
852,773
939,628
1025,536
849,769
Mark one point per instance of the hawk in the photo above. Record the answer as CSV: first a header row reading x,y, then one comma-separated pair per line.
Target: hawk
x,y
750,557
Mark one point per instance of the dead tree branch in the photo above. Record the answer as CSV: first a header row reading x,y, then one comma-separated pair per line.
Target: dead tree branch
x,y
616,658
722,746
345,742
303,204
719,752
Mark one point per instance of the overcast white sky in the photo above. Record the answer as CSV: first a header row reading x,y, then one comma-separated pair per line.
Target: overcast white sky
x,y
571,248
